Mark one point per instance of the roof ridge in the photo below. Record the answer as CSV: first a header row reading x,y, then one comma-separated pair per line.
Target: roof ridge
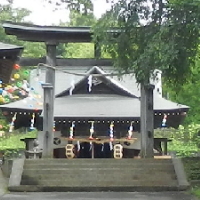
x,y
100,71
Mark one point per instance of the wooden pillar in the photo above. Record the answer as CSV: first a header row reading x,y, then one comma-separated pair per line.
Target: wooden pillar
x,y
147,121
49,96
47,122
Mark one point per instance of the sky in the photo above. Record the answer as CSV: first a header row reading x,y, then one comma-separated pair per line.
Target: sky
x,y
44,14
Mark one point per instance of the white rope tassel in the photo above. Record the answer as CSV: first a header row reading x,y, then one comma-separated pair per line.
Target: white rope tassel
x,y
111,145
12,124
90,83
72,130
32,122
130,131
78,145
164,121
91,130
111,131
111,135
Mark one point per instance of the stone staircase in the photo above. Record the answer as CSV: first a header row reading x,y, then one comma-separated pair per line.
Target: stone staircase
x,y
98,175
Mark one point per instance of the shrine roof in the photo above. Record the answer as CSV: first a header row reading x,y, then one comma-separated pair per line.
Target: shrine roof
x,y
4,46
8,56
96,106
36,33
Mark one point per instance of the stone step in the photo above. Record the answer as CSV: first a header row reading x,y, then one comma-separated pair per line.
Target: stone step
x,y
97,170
93,180
98,174
138,188
99,183
94,173
96,161
130,166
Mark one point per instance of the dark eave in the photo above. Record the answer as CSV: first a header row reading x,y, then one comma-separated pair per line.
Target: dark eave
x,y
9,51
38,33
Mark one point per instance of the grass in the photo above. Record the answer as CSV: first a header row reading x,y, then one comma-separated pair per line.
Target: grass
x,y
10,142
196,191
192,169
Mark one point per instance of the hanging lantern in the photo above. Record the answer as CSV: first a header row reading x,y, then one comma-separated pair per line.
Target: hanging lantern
x,y
19,84
26,72
10,89
2,100
1,90
16,66
16,76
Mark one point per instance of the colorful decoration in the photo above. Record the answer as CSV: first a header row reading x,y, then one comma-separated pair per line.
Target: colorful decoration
x,y
54,126
111,135
12,124
32,122
164,120
16,76
2,100
71,133
26,72
91,130
111,131
16,66
130,131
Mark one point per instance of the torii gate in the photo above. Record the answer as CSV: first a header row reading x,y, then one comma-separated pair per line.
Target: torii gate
x,y
52,36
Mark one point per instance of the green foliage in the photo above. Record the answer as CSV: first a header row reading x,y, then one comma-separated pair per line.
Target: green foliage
x,y
196,191
185,140
188,93
78,50
78,19
168,41
192,167
10,143
8,13
81,6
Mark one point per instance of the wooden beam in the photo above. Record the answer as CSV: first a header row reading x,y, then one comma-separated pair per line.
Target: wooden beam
x,y
67,62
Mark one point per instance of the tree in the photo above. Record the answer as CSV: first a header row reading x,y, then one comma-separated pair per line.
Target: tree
x,y
154,34
78,50
81,6
188,94
144,35
8,13
163,37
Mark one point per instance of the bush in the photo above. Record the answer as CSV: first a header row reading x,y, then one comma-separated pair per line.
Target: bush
x,y
185,140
